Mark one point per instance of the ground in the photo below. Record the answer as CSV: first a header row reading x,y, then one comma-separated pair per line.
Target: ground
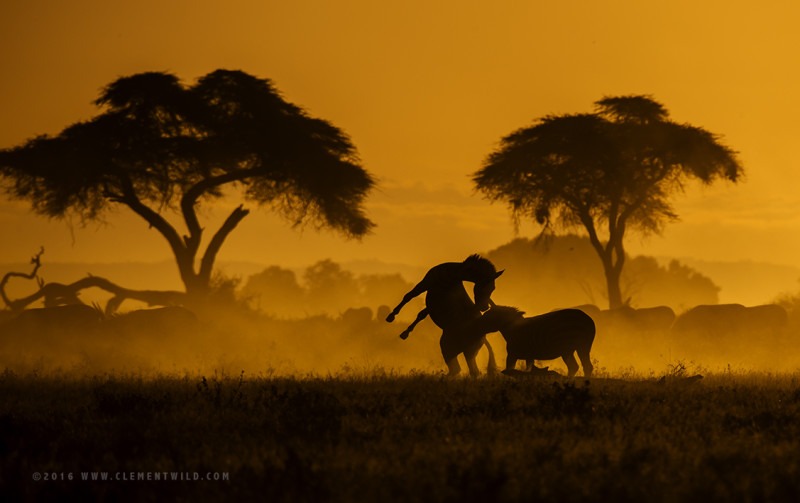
x,y
380,436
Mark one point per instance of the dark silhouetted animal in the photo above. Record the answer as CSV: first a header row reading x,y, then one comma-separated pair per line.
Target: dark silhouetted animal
x,y
158,322
382,312
716,322
6,315
654,319
766,318
706,320
558,334
52,320
357,317
450,307
589,309
648,320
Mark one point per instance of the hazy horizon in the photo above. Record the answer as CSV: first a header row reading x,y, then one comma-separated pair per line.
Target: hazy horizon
x,y
744,282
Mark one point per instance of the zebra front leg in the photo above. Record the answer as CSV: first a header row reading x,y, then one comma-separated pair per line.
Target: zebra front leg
x,y
586,361
453,368
470,354
420,316
417,290
451,348
474,371
511,363
572,364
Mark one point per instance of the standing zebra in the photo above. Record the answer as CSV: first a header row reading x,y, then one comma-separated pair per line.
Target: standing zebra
x,y
558,334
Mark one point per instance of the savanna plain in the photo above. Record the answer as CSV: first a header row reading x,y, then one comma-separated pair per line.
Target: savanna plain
x,y
378,428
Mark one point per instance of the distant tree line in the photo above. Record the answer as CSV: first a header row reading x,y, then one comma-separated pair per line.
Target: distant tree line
x,y
322,288
563,271
558,271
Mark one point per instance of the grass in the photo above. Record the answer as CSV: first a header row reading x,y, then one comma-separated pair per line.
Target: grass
x,y
377,436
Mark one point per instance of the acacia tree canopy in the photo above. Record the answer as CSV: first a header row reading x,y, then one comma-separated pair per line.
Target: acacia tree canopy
x,y
606,172
161,145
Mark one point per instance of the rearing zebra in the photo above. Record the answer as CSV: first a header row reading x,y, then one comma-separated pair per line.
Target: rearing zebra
x,y
450,307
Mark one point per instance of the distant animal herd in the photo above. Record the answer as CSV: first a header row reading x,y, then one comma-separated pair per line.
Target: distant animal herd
x,y
79,318
465,322
564,332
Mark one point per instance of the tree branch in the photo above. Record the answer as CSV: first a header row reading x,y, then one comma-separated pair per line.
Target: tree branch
x,y
183,256
638,202
588,223
130,199
51,292
37,263
613,212
190,197
210,255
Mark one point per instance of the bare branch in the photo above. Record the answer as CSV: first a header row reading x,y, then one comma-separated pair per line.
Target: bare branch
x,y
36,260
193,194
58,293
210,255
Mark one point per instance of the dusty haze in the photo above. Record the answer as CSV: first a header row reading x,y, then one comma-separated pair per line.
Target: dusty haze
x,y
426,90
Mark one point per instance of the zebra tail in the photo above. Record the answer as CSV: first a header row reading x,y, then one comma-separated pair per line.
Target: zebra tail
x,y
492,366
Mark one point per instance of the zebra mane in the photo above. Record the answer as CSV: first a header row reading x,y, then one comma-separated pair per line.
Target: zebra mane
x,y
484,265
501,317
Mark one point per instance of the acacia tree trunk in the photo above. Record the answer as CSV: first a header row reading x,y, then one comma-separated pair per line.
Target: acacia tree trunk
x,y
613,273
194,286
196,277
612,256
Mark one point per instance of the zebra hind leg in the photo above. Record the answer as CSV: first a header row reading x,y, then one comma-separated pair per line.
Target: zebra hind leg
x,y
420,316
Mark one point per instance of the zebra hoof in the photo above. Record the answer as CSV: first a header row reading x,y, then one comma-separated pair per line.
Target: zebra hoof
x,y
404,335
390,318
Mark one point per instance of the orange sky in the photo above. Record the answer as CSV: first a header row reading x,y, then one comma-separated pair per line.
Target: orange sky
x,y
426,89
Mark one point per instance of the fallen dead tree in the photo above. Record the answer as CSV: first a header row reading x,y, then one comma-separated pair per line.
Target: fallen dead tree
x,y
59,294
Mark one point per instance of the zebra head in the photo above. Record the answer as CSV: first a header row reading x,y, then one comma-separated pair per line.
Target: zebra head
x,y
483,273
499,318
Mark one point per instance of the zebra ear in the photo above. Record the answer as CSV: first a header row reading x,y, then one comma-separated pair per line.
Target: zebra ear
x,y
499,273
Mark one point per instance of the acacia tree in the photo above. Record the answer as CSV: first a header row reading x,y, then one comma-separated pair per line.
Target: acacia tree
x,y
161,148
608,172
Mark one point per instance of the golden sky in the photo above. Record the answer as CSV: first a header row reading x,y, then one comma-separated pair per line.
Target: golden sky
x,y
426,89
